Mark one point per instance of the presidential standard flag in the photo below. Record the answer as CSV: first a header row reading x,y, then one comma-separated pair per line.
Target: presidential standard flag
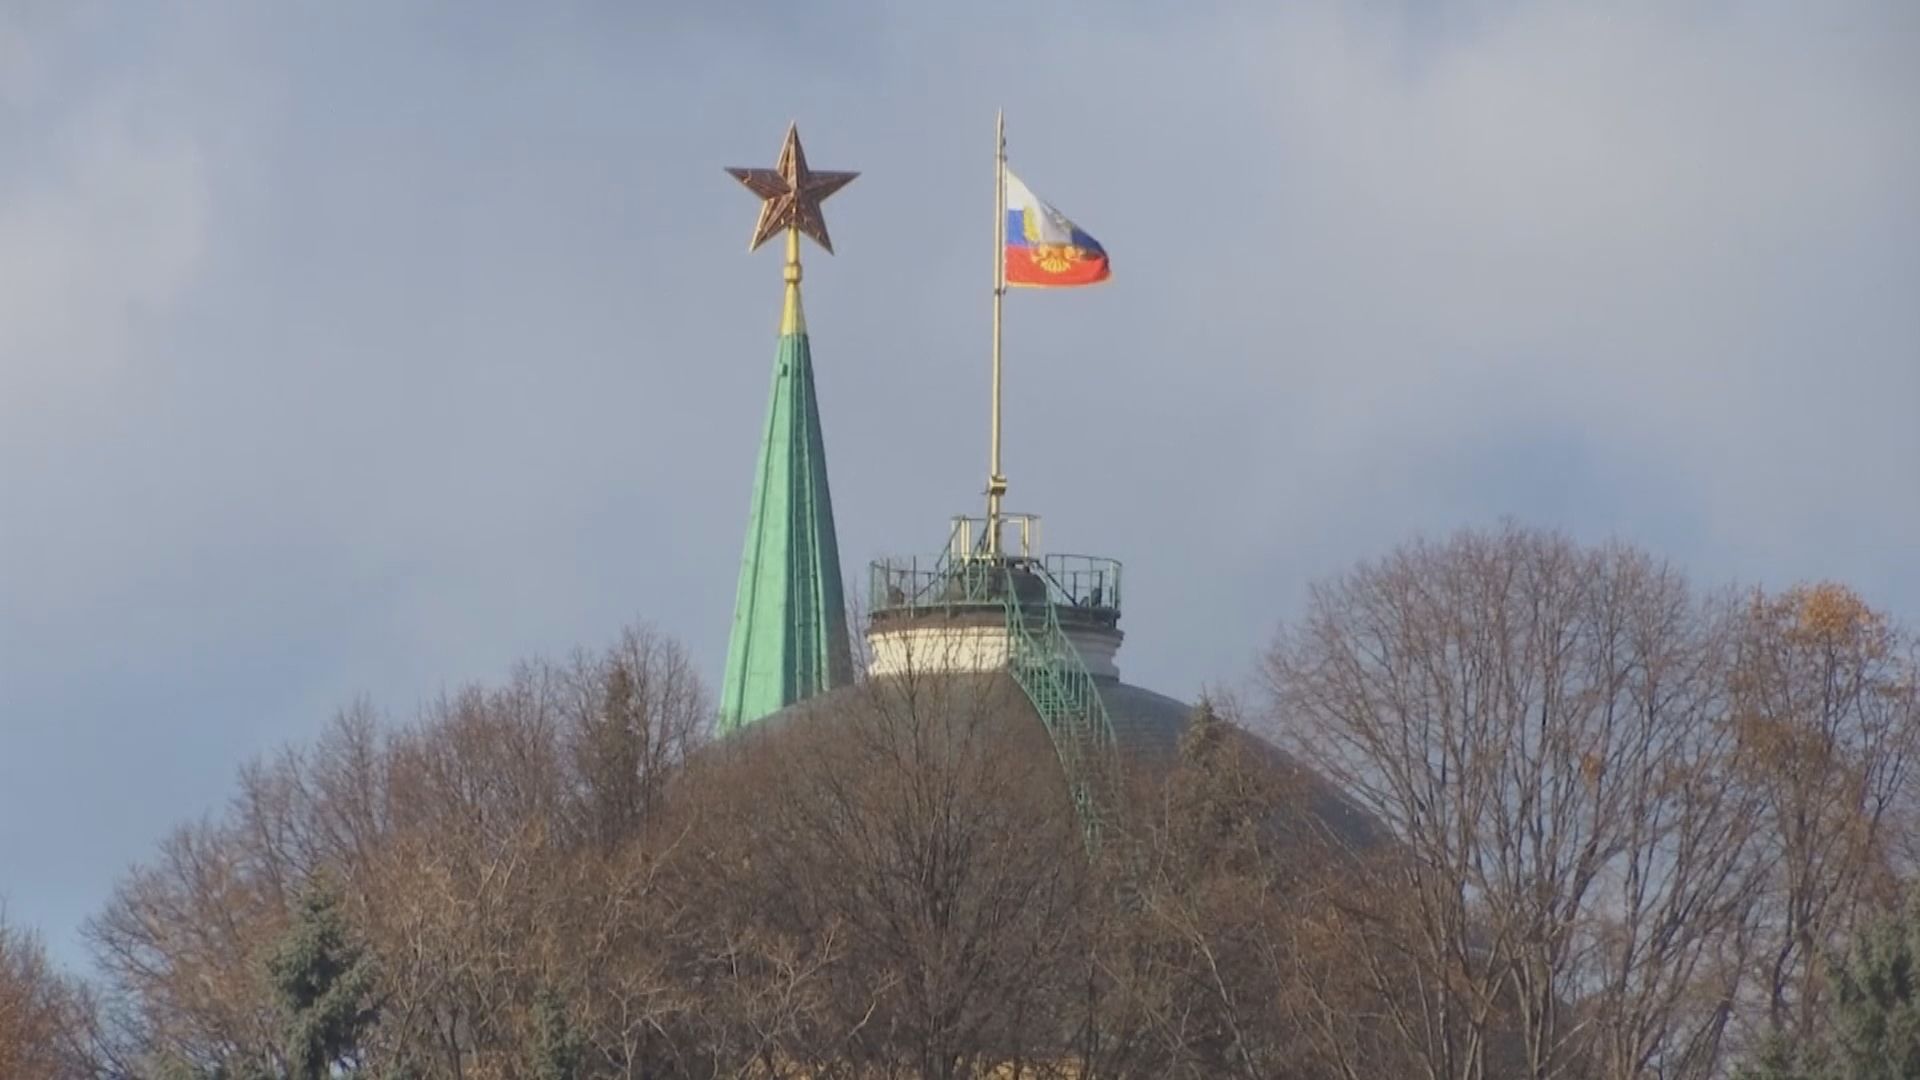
x,y
1043,248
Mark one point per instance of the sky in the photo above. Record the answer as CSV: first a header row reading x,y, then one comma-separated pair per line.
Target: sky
x,y
359,350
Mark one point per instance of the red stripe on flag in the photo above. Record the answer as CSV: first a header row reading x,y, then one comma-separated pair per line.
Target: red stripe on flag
x,y
1055,267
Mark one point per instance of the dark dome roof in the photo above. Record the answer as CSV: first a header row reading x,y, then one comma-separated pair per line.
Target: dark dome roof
x,y
1147,725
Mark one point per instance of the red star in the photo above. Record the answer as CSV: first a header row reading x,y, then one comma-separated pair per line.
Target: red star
x,y
792,194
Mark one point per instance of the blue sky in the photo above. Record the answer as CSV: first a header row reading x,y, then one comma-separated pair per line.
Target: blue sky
x,y
358,350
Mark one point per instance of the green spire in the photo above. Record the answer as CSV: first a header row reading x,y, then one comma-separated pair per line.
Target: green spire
x,y
789,637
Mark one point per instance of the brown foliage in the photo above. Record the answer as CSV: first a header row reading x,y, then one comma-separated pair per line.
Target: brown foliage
x,y
1624,812
491,850
1538,810
915,848
894,885
38,1010
1824,701
1222,960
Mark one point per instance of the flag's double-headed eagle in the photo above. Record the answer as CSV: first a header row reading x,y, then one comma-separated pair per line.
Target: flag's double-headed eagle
x,y
791,194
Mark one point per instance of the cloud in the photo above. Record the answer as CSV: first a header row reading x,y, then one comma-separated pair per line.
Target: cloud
x,y
17,68
103,223
1666,237
344,356
1630,271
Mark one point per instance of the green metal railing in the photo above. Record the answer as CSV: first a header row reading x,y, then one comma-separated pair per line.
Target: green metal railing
x,y
915,584
1029,593
1049,669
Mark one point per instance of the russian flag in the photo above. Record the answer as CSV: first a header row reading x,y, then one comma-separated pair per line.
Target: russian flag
x,y
1043,248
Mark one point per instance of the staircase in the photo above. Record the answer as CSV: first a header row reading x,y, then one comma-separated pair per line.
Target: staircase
x,y
1050,671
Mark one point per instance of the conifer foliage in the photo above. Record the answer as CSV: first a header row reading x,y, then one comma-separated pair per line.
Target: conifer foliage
x,y
556,1050
323,981
1872,1026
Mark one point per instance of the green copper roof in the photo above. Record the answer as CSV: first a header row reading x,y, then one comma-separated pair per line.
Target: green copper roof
x,y
789,639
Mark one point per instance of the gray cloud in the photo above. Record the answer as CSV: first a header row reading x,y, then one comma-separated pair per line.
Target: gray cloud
x,y
351,353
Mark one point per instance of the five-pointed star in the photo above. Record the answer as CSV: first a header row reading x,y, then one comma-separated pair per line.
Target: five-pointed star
x,y
792,194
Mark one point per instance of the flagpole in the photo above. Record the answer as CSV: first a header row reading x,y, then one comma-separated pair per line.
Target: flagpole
x,y
996,483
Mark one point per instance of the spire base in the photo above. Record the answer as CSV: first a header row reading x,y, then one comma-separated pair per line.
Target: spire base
x,y
793,318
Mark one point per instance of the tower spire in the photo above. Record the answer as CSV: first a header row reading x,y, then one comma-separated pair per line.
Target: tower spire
x,y
789,637
793,318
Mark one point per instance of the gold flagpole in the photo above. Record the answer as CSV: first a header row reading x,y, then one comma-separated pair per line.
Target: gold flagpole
x,y
996,483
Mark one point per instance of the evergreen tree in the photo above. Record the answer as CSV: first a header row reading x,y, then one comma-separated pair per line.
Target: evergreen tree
x,y
556,1048
1872,1028
1781,1059
610,757
1876,1013
171,1068
1217,800
322,980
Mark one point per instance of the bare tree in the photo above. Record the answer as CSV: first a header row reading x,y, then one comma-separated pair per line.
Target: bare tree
x,y
633,713
39,1010
1540,811
1541,727
489,854
1213,964
180,940
1824,696
915,839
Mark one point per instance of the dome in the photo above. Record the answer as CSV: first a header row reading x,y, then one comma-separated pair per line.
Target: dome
x,y
1146,724
1147,728
1022,647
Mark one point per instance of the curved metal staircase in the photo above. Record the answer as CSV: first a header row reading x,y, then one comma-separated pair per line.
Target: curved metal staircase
x,y
1050,671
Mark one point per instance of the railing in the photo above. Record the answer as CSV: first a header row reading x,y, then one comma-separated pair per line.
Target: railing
x,y
1029,593
1083,581
969,534
1049,669
915,583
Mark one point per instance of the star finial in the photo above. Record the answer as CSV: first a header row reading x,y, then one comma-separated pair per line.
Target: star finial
x,y
791,194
